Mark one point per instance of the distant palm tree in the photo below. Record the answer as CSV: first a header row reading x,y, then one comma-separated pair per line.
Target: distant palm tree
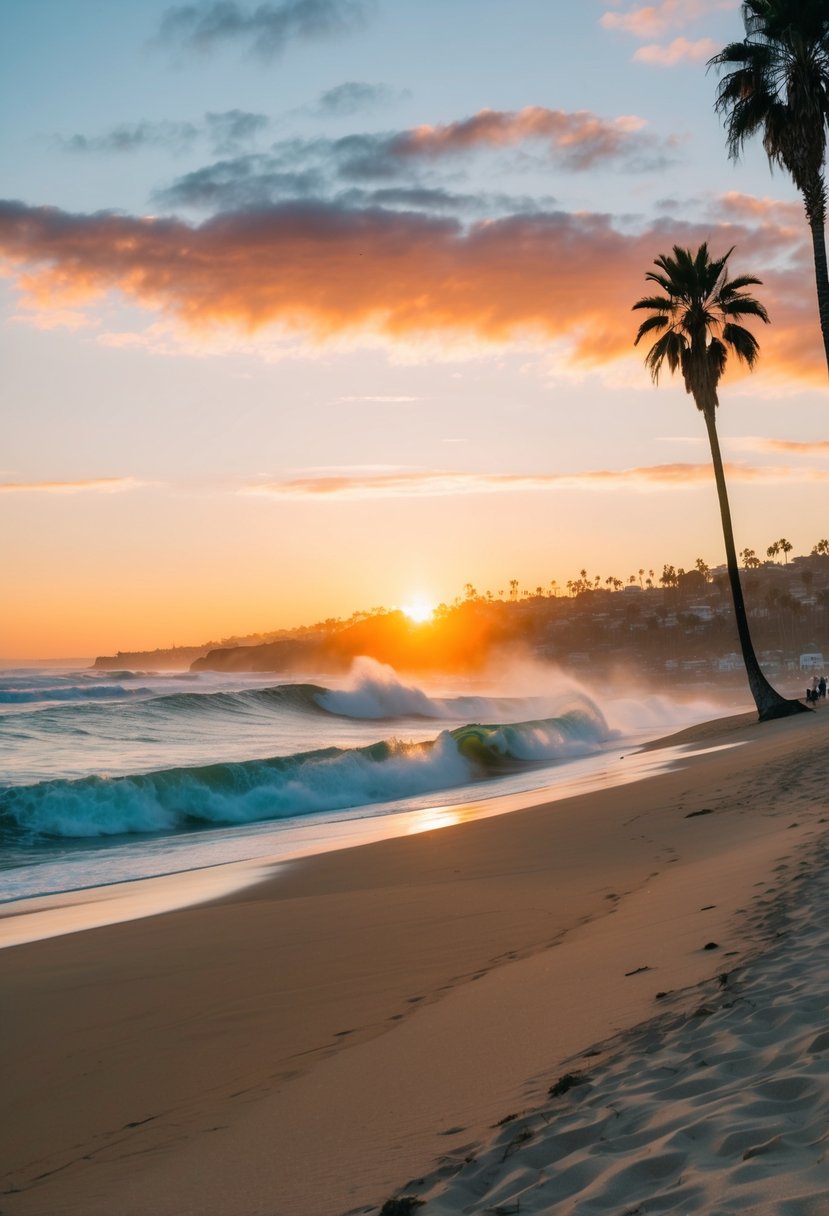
x,y
697,313
778,85
773,549
785,547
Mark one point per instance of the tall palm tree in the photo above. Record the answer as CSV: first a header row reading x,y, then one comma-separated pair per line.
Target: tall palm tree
x,y
697,315
777,85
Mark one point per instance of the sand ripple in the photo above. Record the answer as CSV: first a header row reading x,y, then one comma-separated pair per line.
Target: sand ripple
x,y
722,1111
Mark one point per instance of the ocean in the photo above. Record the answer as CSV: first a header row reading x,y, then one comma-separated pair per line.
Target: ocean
x,y
109,776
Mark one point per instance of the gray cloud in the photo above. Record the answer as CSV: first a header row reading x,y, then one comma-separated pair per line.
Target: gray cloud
x,y
233,129
258,180
226,133
407,169
434,199
266,28
354,97
132,137
576,141
404,168
242,182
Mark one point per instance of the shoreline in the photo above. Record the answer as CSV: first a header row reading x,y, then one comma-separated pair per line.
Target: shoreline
x,y
33,917
370,1009
209,863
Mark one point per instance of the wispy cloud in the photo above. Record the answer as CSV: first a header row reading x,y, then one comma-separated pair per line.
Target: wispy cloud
x,y
384,399
388,168
230,130
446,483
241,182
680,50
654,21
736,208
356,97
265,29
790,447
577,139
105,485
265,180
226,133
132,137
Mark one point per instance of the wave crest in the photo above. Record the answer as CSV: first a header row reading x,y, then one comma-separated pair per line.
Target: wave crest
x,y
284,787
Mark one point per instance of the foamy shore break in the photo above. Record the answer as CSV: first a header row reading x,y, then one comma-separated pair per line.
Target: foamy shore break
x,y
353,1027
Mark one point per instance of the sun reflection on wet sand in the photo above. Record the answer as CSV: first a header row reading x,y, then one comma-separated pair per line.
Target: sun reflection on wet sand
x,y
434,817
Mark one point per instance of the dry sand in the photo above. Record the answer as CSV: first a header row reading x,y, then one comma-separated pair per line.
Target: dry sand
x,y
304,1046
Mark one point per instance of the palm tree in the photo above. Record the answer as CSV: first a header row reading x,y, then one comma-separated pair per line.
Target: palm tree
x,y
777,85
698,312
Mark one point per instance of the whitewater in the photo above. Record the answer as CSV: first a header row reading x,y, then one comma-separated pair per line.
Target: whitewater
x,y
112,776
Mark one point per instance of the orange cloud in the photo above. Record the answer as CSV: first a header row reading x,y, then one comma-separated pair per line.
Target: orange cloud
x,y
582,137
678,51
325,272
809,447
107,485
736,208
446,483
654,20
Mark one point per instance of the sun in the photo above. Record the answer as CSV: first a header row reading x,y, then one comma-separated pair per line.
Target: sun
x,y
419,611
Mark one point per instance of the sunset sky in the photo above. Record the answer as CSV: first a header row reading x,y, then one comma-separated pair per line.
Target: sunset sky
x,y
315,305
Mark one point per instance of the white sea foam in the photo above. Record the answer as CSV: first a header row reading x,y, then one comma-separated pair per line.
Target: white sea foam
x,y
374,690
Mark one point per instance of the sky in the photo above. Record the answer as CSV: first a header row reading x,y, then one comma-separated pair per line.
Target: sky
x,y
314,306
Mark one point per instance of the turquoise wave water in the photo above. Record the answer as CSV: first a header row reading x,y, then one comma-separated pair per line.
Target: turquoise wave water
x,y
278,787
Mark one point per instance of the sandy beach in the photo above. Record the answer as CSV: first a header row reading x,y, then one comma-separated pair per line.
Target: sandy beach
x,y
353,1026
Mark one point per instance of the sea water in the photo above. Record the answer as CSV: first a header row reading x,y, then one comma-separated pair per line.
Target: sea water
x,y
107,776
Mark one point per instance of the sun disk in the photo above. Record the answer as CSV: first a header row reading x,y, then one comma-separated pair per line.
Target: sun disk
x,y
419,611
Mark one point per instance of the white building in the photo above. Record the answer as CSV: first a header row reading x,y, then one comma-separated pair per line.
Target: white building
x,y
812,660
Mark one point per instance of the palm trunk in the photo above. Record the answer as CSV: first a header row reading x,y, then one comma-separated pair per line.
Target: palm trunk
x,y
815,200
770,704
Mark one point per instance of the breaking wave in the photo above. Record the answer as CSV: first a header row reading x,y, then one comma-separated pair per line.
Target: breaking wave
x,y
282,787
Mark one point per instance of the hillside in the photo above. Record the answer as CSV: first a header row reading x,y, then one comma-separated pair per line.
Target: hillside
x,y
683,628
